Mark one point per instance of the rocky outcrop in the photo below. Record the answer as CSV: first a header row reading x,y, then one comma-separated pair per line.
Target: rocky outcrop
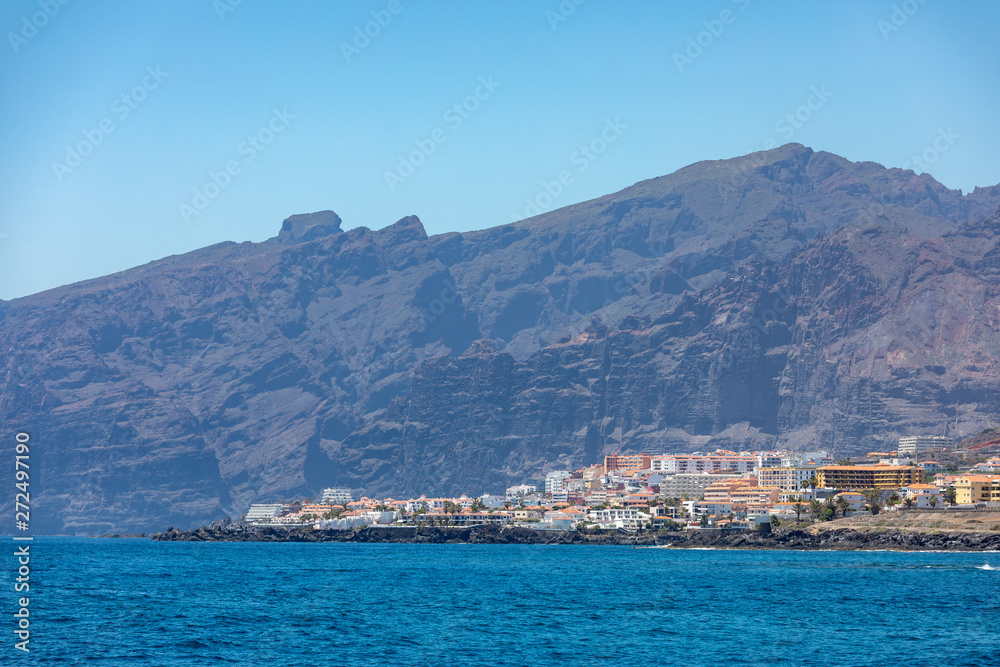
x,y
787,297
836,539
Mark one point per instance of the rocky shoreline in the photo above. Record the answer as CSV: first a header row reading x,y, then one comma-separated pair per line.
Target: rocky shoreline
x,y
827,539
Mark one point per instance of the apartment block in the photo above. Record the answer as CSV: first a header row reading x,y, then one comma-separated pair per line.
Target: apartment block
x,y
785,478
977,489
337,496
915,444
691,485
555,480
869,477
263,513
670,463
626,462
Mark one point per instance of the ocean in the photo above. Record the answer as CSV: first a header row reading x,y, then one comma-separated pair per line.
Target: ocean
x,y
135,602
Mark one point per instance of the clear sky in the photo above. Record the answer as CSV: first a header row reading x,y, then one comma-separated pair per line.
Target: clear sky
x,y
117,114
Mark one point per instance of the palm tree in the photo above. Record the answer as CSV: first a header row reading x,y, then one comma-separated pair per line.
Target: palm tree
x,y
798,507
873,496
908,502
815,507
933,500
804,485
893,500
950,495
843,505
813,483
830,508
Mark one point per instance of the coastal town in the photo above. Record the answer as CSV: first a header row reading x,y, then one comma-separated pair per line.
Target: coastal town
x,y
718,490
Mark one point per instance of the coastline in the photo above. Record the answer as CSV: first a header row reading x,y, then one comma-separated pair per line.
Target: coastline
x,y
837,539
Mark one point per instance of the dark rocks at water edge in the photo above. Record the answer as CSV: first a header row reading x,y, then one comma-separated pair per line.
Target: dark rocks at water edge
x,y
789,298
841,538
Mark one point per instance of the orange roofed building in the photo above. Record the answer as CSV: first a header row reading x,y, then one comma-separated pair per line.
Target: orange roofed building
x,y
626,462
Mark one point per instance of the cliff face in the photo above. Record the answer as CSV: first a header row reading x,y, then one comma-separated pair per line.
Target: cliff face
x,y
783,298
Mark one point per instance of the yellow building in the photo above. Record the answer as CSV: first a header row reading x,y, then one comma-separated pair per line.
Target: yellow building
x,y
868,477
977,489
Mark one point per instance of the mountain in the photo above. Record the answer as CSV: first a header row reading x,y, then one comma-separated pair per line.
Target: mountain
x,y
784,298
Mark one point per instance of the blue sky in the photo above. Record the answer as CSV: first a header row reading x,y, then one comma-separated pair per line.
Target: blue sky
x,y
132,131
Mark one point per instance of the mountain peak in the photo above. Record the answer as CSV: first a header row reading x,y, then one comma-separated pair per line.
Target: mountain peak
x,y
309,226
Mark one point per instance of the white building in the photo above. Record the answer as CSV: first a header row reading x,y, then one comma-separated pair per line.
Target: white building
x,y
915,444
696,508
337,495
992,465
785,478
771,460
263,513
692,485
493,502
628,518
520,490
922,494
694,463
818,458
554,480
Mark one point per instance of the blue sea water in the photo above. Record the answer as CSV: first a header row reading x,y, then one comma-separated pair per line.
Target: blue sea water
x,y
136,602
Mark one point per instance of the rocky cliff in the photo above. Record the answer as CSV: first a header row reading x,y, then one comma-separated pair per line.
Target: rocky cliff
x,y
785,298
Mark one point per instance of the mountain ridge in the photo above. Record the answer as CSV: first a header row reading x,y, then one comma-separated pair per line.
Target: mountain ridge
x,y
788,297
